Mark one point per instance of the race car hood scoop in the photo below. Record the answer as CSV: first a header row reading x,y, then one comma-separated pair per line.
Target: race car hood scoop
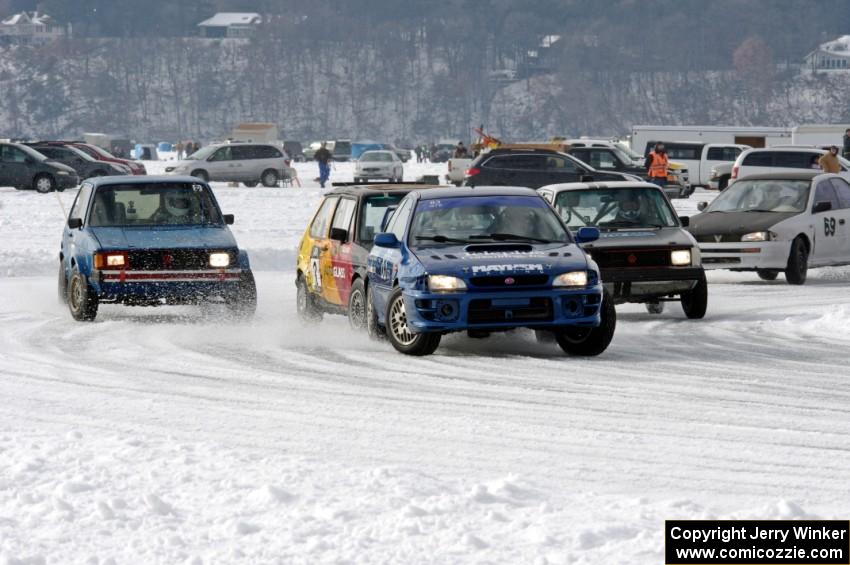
x,y
498,248
207,237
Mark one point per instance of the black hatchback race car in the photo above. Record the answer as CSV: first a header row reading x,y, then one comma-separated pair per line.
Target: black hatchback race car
x,y
643,253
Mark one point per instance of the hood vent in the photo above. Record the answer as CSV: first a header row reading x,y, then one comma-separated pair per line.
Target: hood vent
x,y
499,248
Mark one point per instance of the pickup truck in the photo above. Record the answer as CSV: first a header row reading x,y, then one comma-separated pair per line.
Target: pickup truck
x,y
457,169
699,157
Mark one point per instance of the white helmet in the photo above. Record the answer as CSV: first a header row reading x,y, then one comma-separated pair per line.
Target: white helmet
x,y
177,204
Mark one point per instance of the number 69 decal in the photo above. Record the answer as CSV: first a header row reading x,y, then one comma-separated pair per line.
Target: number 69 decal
x,y
829,227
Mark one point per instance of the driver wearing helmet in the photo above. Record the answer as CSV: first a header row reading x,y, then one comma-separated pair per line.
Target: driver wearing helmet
x,y
174,208
629,208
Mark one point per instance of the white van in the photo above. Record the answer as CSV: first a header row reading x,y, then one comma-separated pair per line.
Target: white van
x,y
782,159
698,157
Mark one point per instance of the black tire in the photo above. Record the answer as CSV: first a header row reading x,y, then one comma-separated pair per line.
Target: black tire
x,y
305,304
402,338
357,180
723,182
251,184
357,306
200,174
62,286
270,178
373,329
767,275
695,301
242,302
798,262
82,301
590,342
44,183
654,307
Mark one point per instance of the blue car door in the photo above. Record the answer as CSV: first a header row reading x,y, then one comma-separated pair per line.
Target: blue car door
x,y
384,261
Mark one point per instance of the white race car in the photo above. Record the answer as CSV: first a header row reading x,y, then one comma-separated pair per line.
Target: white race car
x,y
772,223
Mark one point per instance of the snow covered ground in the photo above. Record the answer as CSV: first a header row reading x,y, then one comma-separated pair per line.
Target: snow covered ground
x,y
171,436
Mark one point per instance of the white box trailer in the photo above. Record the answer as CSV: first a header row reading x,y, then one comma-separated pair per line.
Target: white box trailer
x,y
752,136
820,135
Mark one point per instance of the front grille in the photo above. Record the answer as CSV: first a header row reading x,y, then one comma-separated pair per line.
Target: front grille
x,y
483,311
719,238
625,258
170,260
508,282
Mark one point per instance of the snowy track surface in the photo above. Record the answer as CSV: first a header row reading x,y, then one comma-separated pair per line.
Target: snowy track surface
x,y
174,436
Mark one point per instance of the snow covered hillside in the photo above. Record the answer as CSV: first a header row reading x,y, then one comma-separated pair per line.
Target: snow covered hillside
x,y
171,435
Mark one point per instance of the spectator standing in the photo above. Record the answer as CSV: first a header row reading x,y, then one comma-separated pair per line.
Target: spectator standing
x,y
829,161
323,156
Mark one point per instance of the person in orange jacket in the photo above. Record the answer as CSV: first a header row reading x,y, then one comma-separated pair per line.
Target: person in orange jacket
x,y
657,165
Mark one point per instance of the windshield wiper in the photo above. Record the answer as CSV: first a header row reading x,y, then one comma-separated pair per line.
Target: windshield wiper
x,y
509,236
757,210
439,239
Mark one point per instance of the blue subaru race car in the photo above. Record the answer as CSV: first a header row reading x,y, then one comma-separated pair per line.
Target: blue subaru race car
x,y
149,241
482,260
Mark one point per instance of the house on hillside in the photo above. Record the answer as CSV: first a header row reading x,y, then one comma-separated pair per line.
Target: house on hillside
x,y
31,28
830,56
231,24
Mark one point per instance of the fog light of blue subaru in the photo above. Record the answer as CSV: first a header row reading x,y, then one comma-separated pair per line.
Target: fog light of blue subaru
x,y
447,310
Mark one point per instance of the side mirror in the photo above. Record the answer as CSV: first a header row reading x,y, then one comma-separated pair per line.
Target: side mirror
x,y
822,206
75,223
228,219
685,221
702,206
388,240
339,234
587,234
586,178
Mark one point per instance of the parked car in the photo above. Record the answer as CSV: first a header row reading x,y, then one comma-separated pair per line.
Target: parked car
x,y
84,165
100,154
295,151
782,160
643,253
380,164
699,157
533,168
149,241
484,260
721,175
23,167
331,264
776,223
443,151
614,156
341,150
248,163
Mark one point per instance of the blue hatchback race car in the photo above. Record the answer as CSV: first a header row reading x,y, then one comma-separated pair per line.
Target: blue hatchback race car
x,y
482,260
148,241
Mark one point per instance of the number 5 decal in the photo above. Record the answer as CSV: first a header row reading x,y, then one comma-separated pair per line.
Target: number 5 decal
x,y
829,227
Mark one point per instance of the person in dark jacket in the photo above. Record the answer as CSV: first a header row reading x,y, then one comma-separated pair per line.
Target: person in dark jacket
x,y
460,151
847,144
323,156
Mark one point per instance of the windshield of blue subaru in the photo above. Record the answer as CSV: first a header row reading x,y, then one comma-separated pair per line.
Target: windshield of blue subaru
x,y
485,219
615,208
172,204
763,195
